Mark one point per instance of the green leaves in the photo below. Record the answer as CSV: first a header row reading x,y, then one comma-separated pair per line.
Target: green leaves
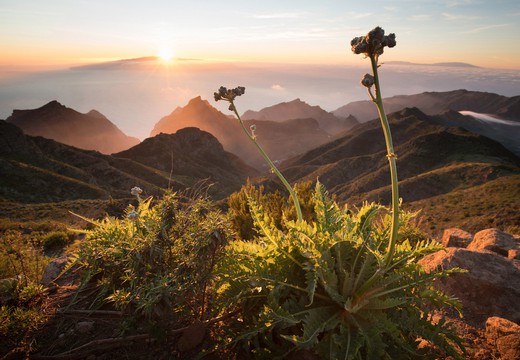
x,y
326,286
158,263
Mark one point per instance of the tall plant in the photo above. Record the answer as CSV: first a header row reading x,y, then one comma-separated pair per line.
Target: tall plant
x,y
372,46
343,286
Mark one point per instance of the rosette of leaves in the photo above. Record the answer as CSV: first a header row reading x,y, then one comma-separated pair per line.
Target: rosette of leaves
x,y
325,287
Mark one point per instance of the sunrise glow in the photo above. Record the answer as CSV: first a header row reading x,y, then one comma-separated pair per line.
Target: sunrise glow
x,y
165,54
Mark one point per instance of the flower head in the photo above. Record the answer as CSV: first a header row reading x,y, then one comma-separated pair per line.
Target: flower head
x,y
136,191
229,95
373,43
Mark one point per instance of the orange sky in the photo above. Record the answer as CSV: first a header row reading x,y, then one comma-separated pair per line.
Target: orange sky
x,y
63,33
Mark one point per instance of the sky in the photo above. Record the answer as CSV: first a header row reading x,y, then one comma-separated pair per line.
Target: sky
x,y
44,34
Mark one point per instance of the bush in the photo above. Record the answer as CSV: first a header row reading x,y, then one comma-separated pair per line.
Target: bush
x,y
57,239
156,264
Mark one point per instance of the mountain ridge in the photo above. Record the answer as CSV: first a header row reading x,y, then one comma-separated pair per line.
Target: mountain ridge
x,y
37,169
354,167
90,131
297,109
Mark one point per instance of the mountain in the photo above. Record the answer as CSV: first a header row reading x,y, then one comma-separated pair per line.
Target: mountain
x,y
298,109
280,140
36,169
91,131
432,160
441,64
432,103
192,153
506,132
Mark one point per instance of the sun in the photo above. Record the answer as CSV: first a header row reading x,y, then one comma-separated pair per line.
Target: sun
x,y
165,54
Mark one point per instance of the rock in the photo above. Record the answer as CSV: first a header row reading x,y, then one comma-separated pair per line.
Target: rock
x,y
496,241
513,254
54,269
85,327
490,287
192,337
504,335
456,238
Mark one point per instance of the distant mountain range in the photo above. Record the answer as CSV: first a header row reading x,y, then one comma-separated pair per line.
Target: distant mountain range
x,y
443,64
433,103
91,131
437,162
432,160
298,109
437,157
280,139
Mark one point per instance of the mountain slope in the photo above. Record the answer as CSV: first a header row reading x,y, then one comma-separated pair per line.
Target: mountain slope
x,y
433,103
91,131
432,160
298,109
192,153
36,169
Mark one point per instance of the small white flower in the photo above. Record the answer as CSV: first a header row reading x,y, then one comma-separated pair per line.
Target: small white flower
x,y
136,191
253,129
132,215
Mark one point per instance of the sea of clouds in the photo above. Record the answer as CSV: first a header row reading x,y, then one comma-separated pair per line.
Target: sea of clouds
x,y
135,96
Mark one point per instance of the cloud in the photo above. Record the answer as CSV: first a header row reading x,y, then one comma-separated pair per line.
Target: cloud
x,y
488,27
277,87
453,3
286,15
420,17
454,17
359,15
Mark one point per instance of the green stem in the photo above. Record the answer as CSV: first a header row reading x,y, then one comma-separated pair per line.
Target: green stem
x,y
272,166
391,159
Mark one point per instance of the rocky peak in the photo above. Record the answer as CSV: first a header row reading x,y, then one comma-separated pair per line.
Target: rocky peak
x,y
96,114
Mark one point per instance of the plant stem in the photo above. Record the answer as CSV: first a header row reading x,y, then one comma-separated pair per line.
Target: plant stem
x,y
272,166
391,160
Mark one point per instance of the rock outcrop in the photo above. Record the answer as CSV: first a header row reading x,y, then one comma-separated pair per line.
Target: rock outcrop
x,y
456,238
496,241
489,287
504,336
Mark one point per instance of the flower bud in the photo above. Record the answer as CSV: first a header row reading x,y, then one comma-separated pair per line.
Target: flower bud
x,y
132,215
367,81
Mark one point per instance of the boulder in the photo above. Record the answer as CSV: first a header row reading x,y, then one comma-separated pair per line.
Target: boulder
x,y
490,287
54,269
504,336
456,238
496,241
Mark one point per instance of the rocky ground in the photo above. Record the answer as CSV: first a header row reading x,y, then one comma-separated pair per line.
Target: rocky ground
x,y
489,290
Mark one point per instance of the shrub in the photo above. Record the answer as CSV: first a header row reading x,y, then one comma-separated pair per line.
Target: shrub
x,y
57,239
156,264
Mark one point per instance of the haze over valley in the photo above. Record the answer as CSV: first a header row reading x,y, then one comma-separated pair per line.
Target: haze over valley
x,y
134,94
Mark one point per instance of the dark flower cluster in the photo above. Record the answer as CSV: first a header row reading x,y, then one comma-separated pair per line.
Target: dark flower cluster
x,y
229,94
373,43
